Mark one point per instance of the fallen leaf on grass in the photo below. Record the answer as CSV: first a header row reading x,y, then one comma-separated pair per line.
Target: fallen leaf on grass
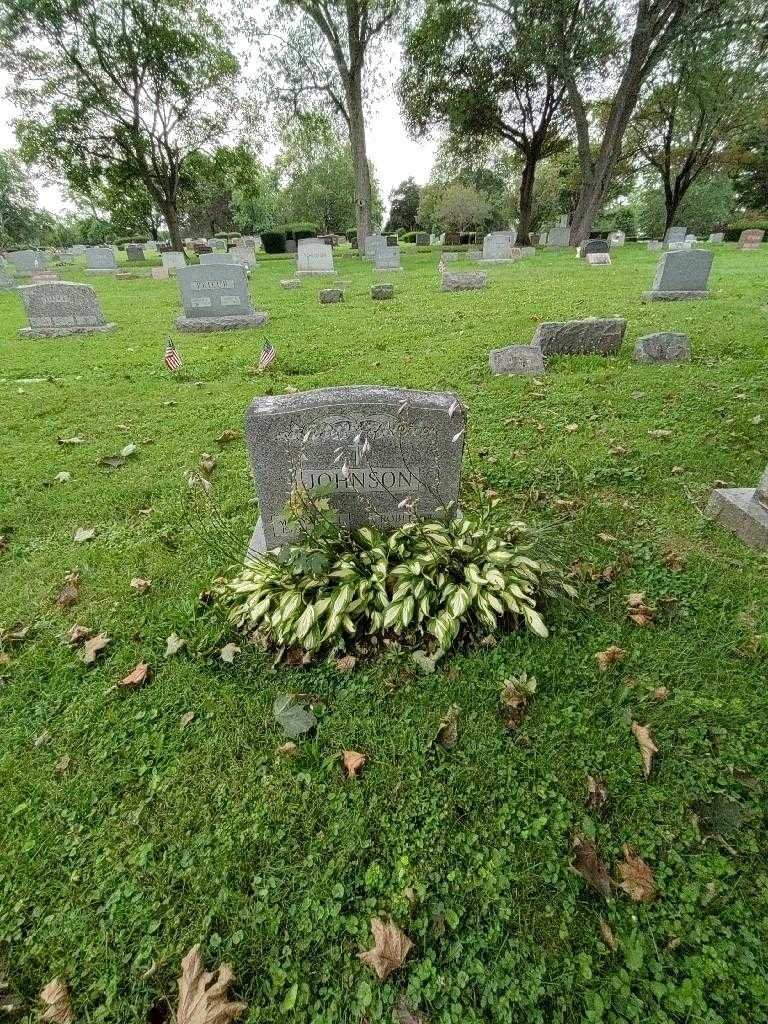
x,y
660,693
128,451
62,765
70,593
610,656
405,1015
93,647
390,948
69,440
186,719
203,997
647,747
638,611
288,749
140,585
597,793
608,937
83,534
173,644
586,863
137,677
514,699
345,664
228,652
229,435
353,761
660,433
77,635
571,428
636,878
425,662
606,538
112,461
206,465
448,731
43,739
293,715
15,635
55,997
62,478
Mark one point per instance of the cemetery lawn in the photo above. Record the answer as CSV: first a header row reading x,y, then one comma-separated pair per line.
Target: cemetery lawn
x,y
128,837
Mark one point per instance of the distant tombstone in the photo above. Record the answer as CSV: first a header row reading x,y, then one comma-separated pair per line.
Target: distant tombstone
x,y
616,239
581,337
373,242
464,282
393,240
330,296
690,238
716,237
450,257
216,298
474,254
526,251
744,511
675,235
382,456
422,238
244,254
499,247
681,275
135,253
290,245
27,261
151,246
218,244
654,246
517,359
173,261
290,283
594,245
559,236
380,292
215,259
7,283
751,238
159,273
598,259
315,258
664,347
387,257
79,250
100,259
58,308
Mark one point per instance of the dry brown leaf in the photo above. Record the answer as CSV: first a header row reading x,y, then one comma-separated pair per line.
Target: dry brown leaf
x,y
186,719
43,739
203,994
586,862
69,440
228,652
62,765
660,693
642,616
78,634
515,694
141,586
229,435
140,675
660,433
636,877
58,1008
390,948
345,664
571,428
206,465
610,656
84,534
93,647
647,747
597,793
353,761
62,478
405,1015
289,749
69,594
173,644
448,730
606,538
608,937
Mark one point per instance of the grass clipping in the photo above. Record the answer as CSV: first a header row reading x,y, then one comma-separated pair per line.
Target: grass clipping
x,y
428,583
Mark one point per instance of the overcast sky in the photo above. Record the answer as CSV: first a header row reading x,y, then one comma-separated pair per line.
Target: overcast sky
x,y
394,155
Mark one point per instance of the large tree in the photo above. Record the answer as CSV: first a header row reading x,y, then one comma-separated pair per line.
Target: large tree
x,y
321,59
117,90
18,202
404,206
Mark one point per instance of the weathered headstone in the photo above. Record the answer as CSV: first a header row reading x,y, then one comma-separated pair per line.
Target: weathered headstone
x,y
559,236
58,308
151,246
654,246
751,238
681,275
393,240
676,234
100,259
691,238
744,511
602,337
515,359
27,261
134,253
382,291
527,250
422,238
450,257
387,257
716,237
314,259
499,247
244,254
216,298
664,347
593,245
329,296
218,244
474,254
616,239
381,456
159,273
471,280
598,259
173,261
372,243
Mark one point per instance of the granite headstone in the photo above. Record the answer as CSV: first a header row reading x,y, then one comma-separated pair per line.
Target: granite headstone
x,y
314,258
664,347
744,511
455,281
517,359
216,298
681,275
594,336
751,238
58,308
100,259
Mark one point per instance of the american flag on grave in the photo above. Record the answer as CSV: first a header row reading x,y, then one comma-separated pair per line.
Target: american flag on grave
x,y
267,357
172,358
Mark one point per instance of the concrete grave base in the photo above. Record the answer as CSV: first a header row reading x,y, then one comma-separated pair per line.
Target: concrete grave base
x,y
739,511
194,325
290,283
317,273
63,332
673,296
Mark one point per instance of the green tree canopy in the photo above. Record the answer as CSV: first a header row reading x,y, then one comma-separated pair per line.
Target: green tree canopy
x,y
404,206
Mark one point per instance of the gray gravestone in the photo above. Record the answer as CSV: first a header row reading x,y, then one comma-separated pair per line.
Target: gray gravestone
x,y
654,246
382,456
134,253
382,291
675,235
6,282
464,282
215,259
450,257
559,236
744,510
681,275
751,238
372,243
594,245
100,259
598,259
58,308
691,238
216,298
244,254
499,247
665,347
581,337
716,237
27,261
314,258
387,257
290,282
422,238
173,261
616,239
328,296
218,244
527,250
514,359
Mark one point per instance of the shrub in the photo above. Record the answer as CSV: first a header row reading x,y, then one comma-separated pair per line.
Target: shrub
x,y
351,234
734,229
298,230
408,236
428,581
133,240
273,241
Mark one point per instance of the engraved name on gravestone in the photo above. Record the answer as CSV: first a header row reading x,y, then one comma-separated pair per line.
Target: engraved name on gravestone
x,y
58,308
664,347
751,238
216,298
581,337
744,511
100,259
681,275
382,456
499,247
525,359
387,257
314,257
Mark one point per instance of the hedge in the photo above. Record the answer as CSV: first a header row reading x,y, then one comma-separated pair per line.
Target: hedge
x,y
273,241
297,230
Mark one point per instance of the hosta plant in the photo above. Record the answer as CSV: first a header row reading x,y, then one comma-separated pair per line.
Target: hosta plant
x,y
427,583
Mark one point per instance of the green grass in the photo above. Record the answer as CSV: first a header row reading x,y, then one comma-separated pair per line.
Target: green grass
x,y
156,837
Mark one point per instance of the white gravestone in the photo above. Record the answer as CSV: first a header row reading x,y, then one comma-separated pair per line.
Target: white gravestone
x,y
173,261
387,257
499,247
314,258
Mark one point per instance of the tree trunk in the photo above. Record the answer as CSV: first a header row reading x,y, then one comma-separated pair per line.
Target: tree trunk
x,y
172,220
359,160
526,199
